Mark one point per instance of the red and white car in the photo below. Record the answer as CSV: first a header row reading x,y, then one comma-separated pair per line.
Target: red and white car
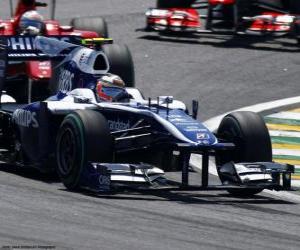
x,y
275,17
173,19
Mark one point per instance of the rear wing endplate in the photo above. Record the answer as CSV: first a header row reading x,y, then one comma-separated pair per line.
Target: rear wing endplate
x,y
3,65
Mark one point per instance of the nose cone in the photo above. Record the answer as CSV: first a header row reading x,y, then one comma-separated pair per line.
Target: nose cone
x,y
192,131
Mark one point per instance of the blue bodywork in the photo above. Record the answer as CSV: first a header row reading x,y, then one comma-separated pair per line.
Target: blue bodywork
x,y
135,124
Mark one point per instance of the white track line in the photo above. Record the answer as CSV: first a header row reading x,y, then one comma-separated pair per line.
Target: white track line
x,y
282,133
214,122
286,115
290,152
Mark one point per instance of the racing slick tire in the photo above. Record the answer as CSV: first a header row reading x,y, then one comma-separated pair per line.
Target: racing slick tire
x,y
96,24
83,137
120,62
174,3
248,131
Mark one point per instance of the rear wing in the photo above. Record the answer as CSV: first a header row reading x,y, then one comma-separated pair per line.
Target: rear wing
x,y
63,49
31,48
23,48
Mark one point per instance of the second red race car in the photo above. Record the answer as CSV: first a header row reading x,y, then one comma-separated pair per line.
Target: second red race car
x,y
34,76
256,17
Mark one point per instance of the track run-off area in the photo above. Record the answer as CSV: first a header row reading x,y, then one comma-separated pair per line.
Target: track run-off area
x,y
224,73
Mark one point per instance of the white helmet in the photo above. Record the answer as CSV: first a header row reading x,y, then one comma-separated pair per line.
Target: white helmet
x,y
31,23
110,87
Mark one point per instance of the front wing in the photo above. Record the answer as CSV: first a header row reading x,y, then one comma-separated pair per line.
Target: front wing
x,y
105,177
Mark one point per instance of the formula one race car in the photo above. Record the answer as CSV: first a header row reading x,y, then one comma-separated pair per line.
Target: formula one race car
x,y
100,136
26,21
256,17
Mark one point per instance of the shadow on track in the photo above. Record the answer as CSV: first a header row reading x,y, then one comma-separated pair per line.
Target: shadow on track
x,y
185,197
219,197
264,43
30,173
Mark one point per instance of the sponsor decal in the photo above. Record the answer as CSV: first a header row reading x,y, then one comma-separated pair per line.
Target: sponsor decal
x,y
178,120
65,80
104,180
194,129
172,116
84,58
25,118
44,65
21,43
186,123
202,136
118,125
27,43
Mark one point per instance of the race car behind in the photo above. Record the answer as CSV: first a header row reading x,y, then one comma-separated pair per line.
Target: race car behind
x,y
255,17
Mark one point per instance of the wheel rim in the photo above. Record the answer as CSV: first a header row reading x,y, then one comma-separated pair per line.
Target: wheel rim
x,y
67,152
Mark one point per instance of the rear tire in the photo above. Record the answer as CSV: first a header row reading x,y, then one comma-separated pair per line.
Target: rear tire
x,y
96,24
83,137
174,3
247,130
120,62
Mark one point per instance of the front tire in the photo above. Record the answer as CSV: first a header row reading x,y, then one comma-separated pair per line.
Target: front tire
x,y
83,137
247,130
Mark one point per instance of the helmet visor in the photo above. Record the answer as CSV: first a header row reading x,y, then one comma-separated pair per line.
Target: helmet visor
x,y
25,24
108,93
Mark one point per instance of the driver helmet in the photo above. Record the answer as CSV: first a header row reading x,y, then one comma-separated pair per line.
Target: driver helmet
x,y
110,87
31,23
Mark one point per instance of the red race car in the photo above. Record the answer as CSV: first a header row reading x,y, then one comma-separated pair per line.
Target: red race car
x,y
261,17
87,27
34,76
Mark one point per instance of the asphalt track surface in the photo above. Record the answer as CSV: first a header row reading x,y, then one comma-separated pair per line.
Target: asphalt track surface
x,y
223,73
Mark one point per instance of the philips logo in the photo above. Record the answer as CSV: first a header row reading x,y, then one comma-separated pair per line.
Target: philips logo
x,y
25,118
21,43
27,43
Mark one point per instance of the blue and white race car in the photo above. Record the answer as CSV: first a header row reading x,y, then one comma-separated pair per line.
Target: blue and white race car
x,y
101,144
